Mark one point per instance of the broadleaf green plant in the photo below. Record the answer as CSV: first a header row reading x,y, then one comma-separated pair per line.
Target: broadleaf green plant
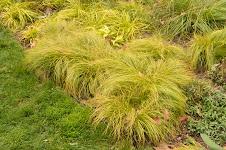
x,y
211,144
206,108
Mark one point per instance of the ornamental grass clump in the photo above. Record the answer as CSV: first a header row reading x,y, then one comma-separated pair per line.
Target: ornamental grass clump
x,y
154,47
208,49
184,17
136,93
141,99
117,25
71,59
17,15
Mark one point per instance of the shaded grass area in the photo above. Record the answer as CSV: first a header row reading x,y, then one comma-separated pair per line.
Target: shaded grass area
x,y
35,115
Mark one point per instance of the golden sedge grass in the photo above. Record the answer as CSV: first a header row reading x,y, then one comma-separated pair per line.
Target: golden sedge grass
x,y
208,49
117,25
17,15
141,99
138,97
70,62
155,47
183,17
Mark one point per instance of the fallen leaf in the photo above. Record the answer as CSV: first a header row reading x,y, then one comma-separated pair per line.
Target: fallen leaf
x,y
157,120
183,119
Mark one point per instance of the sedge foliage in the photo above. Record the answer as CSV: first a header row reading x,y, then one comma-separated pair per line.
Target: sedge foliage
x,y
183,17
117,25
17,15
116,22
71,59
208,49
141,99
154,47
5,3
138,97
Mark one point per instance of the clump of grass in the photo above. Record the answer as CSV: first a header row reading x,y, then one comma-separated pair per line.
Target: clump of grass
x,y
5,3
29,35
181,18
74,11
154,47
17,15
208,49
70,59
141,99
115,24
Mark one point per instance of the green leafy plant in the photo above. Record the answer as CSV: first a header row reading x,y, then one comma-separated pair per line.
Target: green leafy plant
x,y
17,15
217,73
141,99
206,108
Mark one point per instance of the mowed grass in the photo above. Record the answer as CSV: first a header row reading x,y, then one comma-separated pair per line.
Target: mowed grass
x,y
37,115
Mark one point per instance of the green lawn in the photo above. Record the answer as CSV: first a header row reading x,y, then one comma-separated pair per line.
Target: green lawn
x,y
37,115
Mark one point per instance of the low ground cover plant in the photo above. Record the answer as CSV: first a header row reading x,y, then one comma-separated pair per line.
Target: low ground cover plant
x,y
206,107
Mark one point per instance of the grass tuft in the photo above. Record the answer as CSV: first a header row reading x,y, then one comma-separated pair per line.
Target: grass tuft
x,y
154,47
72,62
181,18
208,50
141,99
17,15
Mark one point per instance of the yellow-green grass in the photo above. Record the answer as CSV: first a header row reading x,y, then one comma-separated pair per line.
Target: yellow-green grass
x,y
141,99
155,47
138,96
17,15
208,49
182,18
71,59
117,24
